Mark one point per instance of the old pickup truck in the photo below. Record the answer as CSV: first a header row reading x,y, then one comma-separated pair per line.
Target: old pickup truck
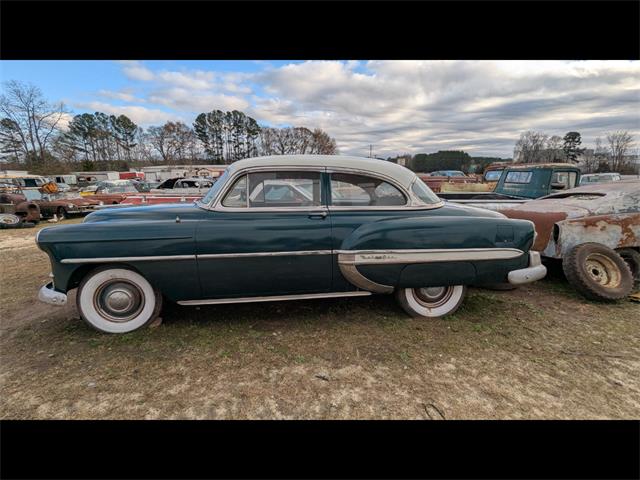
x,y
519,184
284,228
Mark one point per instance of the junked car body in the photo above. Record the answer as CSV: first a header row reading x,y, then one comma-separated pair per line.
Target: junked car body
x,y
61,205
284,228
13,201
183,185
605,214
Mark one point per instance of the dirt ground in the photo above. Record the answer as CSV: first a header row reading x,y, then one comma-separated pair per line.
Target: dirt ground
x,y
537,352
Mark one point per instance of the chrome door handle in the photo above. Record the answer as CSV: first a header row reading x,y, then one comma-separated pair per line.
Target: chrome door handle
x,y
322,214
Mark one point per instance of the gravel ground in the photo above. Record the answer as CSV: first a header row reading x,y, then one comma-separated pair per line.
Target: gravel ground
x,y
540,351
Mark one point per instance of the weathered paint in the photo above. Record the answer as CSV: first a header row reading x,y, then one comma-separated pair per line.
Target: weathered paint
x,y
613,231
604,213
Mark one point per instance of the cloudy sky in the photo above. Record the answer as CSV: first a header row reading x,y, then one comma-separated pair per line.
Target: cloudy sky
x,y
398,106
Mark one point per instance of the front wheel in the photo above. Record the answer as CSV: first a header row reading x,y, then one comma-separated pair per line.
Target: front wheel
x,y
117,300
431,302
597,272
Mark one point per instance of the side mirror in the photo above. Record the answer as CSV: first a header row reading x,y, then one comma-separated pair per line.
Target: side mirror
x,y
558,185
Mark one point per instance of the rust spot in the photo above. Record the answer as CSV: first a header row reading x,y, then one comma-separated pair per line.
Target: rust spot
x,y
626,222
544,222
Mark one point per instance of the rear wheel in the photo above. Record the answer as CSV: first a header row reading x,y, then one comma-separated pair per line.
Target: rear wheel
x,y
117,300
632,259
597,272
431,302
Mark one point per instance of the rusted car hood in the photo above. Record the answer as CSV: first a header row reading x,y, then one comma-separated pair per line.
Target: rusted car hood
x,y
593,202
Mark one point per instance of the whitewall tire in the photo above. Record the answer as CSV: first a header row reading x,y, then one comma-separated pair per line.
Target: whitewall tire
x,y
431,302
117,300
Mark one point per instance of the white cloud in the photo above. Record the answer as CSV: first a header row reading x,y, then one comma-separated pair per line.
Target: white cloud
x,y
481,106
184,99
125,96
140,115
136,71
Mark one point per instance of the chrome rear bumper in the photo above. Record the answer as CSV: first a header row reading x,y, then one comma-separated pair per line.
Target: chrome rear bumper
x,y
535,271
48,295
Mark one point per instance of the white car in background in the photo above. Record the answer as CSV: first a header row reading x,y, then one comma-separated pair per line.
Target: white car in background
x,y
591,178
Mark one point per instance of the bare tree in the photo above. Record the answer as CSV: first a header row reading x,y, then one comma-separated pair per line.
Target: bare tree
x,y
34,120
296,140
529,148
554,149
620,142
175,142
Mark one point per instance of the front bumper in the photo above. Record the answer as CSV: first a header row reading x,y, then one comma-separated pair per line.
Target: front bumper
x,y
48,295
535,271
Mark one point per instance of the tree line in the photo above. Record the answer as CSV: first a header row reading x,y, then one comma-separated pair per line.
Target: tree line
x,y
446,160
612,154
32,136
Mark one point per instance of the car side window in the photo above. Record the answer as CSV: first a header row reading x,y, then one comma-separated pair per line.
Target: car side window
x,y
518,177
567,178
237,196
283,189
350,190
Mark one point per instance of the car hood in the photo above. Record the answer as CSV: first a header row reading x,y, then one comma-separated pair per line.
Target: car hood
x,y
163,211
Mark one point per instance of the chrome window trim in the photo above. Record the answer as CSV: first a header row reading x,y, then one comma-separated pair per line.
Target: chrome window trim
x,y
413,202
272,298
216,203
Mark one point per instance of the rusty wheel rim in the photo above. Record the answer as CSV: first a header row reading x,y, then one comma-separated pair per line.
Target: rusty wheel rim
x,y
603,270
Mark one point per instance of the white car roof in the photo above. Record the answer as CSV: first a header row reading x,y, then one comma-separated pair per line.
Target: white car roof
x,y
400,174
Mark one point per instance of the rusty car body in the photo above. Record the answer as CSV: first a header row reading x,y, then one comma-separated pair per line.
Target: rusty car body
x,y
606,214
61,205
12,201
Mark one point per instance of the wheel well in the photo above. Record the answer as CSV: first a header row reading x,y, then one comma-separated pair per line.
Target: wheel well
x,y
84,270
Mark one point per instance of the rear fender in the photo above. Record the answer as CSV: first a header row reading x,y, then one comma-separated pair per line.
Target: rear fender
x,y
434,251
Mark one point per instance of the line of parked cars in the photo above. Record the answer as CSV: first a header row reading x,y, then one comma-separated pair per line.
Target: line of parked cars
x,y
26,199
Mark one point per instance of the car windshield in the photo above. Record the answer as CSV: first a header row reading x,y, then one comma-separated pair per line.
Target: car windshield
x,y
493,175
424,193
213,191
32,194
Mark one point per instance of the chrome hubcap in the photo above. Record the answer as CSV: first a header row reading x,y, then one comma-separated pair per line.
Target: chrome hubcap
x,y
433,296
118,300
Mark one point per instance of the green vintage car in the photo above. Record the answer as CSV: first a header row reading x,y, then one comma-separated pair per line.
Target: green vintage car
x,y
286,228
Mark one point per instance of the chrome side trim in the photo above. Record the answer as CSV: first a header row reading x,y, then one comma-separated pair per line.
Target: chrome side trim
x,y
351,273
274,298
376,257
264,254
156,258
